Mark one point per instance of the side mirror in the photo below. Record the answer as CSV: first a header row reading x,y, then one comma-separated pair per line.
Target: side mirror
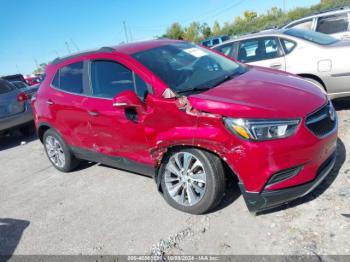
x,y
127,99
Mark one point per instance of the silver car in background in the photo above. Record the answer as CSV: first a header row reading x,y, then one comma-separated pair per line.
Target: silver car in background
x,y
334,22
15,109
319,58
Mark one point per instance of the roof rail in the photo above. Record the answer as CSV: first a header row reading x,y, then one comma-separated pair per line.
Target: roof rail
x,y
330,10
105,49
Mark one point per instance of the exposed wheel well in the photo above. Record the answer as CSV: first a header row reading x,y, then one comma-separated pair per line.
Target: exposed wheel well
x,y
314,77
229,173
42,129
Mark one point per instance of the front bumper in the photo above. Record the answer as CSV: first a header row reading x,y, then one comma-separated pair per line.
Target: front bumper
x,y
268,199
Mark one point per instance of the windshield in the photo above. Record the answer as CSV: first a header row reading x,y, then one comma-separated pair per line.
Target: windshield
x,y
311,36
185,66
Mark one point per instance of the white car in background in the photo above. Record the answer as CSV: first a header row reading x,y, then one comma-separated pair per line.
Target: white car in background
x,y
335,23
319,58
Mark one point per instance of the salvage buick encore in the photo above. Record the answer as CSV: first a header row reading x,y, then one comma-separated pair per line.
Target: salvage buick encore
x,y
190,118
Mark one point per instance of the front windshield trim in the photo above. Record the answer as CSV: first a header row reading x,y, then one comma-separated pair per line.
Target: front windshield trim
x,y
311,36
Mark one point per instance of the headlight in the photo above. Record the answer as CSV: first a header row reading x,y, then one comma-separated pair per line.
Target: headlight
x,y
261,129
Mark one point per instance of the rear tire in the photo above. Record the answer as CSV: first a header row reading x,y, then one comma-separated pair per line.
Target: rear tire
x,y
198,190
58,152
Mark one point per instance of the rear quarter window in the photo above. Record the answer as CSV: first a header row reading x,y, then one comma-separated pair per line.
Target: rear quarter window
x,y
288,45
6,87
69,78
333,24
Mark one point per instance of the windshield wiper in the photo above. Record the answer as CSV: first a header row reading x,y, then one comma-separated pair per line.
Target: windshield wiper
x,y
229,77
193,89
239,71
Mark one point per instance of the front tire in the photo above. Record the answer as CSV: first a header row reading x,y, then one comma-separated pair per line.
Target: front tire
x,y
192,180
58,152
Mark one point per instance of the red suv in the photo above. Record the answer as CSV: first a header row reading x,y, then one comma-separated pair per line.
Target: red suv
x,y
188,116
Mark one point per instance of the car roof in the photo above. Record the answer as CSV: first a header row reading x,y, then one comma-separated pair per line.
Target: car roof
x,y
213,37
327,12
320,14
128,49
253,35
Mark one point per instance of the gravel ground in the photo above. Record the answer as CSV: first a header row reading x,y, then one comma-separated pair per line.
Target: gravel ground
x,y
101,210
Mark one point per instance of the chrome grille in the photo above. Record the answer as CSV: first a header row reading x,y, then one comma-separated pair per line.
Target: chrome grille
x,y
322,122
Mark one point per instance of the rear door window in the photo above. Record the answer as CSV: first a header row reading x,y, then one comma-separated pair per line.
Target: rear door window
x,y
333,24
225,38
70,78
206,43
259,49
216,41
109,78
6,87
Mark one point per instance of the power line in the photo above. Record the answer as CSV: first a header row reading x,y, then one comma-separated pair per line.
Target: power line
x,y
225,10
75,45
216,13
67,45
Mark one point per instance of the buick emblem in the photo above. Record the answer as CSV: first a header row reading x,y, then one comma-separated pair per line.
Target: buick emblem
x,y
331,113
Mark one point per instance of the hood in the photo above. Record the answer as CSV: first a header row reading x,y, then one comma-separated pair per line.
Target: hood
x,y
261,93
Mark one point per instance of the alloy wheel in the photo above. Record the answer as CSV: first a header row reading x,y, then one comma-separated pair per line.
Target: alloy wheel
x,y
55,151
185,178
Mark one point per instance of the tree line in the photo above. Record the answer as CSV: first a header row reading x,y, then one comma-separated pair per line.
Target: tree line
x,y
249,22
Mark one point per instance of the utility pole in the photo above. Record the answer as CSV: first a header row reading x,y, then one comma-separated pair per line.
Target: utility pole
x,y
67,45
36,63
284,5
55,51
17,69
75,45
130,34
125,32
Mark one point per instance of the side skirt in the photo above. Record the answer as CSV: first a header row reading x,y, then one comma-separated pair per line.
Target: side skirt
x,y
114,161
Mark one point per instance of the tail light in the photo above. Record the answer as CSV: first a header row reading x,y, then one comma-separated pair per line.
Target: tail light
x,y
23,96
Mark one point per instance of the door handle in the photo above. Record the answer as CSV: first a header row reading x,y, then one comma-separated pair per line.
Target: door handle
x,y
116,104
93,113
276,65
49,102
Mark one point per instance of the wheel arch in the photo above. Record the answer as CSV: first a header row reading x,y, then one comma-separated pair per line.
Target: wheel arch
x,y
42,128
174,148
314,77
